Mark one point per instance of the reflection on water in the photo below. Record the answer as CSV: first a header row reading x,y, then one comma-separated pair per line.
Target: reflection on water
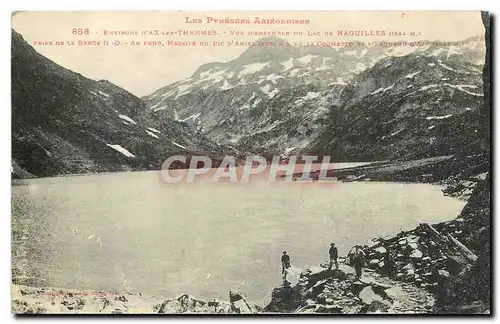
x,y
130,232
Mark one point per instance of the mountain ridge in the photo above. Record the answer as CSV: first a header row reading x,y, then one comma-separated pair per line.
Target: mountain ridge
x,y
285,92
65,123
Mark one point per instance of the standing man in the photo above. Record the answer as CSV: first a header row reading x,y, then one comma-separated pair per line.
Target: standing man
x,y
334,255
285,264
358,258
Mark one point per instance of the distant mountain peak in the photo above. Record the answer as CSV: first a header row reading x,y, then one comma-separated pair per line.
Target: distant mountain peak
x,y
269,48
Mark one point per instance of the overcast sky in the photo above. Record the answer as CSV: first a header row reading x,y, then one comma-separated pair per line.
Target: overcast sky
x,y
142,70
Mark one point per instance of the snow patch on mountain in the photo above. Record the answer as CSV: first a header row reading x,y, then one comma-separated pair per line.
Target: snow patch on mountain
x,y
397,132
155,106
273,93
122,150
182,90
127,118
462,86
438,117
268,128
153,130
411,75
256,102
393,134
192,117
151,134
453,50
103,93
266,89
306,59
383,89
178,145
430,86
274,77
209,75
226,85
309,96
446,66
252,68
437,52
245,106
399,51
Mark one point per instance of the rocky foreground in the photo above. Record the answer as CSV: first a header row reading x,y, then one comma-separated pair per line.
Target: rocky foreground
x,y
318,290
30,300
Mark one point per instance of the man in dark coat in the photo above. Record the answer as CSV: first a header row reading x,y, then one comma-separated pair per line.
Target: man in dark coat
x,y
285,264
334,255
358,259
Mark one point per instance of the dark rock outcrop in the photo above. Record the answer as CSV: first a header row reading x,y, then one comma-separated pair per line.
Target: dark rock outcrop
x,y
324,291
422,256
470,291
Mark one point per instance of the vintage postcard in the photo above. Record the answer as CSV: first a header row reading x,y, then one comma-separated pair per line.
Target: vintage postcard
x,y
238,162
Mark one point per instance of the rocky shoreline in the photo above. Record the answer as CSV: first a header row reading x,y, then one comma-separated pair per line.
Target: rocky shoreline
x,y
317,290
425,270
32,300
405,274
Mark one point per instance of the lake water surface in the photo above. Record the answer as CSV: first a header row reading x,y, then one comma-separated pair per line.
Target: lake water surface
x,y
130,232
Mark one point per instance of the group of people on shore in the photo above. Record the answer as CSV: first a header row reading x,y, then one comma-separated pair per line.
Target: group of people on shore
x,y
356,258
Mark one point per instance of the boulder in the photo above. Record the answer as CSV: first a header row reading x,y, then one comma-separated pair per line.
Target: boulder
x,y
443,273
381,250
183,304
414,246
240,305
416,254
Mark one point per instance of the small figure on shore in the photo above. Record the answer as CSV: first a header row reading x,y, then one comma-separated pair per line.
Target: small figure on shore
x,y
334,255
285,264
357,258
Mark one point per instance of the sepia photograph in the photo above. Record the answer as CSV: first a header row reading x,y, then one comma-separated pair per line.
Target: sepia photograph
x,y
251,162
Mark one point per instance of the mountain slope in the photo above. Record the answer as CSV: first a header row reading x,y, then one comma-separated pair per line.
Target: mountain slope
x,y
65,123
409,107
273,97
